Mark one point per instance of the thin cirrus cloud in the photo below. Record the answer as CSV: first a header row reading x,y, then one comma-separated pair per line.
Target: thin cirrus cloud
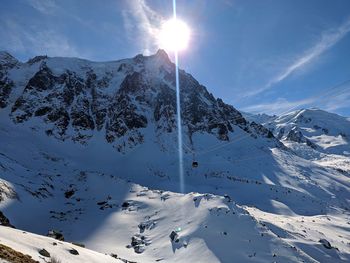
x,y
277,107
328,39
340,101
333,99
52,8
46,7
33,40
142,24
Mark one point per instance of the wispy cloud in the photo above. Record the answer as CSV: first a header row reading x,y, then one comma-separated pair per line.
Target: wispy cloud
x,y
332,99
34,40
327,40
279,106
46,7
142,24
338,101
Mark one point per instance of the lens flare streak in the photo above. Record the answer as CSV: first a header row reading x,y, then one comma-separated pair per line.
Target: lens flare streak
x,y
178,112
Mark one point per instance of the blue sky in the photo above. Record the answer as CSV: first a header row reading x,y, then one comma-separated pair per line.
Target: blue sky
x,y
258,55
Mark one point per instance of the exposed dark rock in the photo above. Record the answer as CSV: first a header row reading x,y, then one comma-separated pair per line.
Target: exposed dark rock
x,y
296,136
261,130
42,80
114,256
121,259
123,114
69,193
174,237
6,86
139,243
4,221
73,251
150,224
125,204
325,243
56,235
165,109
7,61
6,190
80,115
61,119
44,253
326,131
36,59
280,133
42,111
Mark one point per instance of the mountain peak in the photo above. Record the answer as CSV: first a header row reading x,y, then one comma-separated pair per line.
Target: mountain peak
x,y
162,53
162,56
4,53
7,60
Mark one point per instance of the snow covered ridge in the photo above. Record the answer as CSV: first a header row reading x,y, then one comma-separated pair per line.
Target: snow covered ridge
x,y
73,98
328,132
312,134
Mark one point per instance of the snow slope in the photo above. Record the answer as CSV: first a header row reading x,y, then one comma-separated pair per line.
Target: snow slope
x,y
30,244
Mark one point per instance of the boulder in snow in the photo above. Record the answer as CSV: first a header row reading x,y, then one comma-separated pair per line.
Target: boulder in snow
x,y
174,237
44,253
326,243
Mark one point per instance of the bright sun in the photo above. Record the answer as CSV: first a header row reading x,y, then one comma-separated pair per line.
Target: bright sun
x,y
174,35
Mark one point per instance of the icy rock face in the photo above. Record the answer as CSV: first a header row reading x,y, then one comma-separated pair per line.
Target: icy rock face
x,y
7,62
4,221
73,98
296,136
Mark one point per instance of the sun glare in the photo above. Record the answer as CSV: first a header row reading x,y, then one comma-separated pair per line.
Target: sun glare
x,y
174,35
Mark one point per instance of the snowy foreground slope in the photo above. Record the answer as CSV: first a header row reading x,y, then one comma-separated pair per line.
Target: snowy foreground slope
x,y
105,212
89,149
30,244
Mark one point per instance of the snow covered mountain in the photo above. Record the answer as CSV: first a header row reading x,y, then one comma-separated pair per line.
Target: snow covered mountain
x,y
326,131
75,97
90,149
314,134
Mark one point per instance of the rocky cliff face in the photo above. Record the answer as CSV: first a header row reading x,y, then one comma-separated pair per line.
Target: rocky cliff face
x,y
75,98
296,136
7,62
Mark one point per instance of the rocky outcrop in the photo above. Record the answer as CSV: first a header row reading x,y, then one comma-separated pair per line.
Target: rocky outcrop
x,y
4,221
56,235
7,62
6,86
139,243
296,136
